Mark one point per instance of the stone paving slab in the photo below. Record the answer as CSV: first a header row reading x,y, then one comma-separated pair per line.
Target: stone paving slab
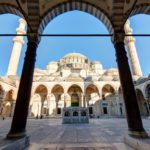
x,y
51,133
83,146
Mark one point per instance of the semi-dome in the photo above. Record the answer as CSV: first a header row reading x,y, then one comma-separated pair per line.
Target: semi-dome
x,y
74,55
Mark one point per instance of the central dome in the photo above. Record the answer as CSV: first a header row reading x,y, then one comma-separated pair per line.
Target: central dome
x,y
74,55
75,61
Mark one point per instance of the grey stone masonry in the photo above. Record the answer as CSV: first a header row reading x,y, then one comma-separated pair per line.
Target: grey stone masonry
x,y
73,115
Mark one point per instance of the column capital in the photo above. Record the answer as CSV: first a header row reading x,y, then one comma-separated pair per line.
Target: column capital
x,y
33,37
118,36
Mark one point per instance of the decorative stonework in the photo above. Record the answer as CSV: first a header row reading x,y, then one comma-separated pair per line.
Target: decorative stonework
x,y
73,115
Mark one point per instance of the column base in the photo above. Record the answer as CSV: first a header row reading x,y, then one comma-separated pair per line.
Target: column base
x,y
16,135
138,134
138,144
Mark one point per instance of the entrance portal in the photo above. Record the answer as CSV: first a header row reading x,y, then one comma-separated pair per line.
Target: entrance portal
x,y
74,100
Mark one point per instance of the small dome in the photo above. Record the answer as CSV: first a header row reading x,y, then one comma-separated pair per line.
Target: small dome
x,y
106,78
112,72
74,55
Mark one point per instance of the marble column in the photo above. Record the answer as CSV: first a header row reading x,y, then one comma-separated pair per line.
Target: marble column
x,y
117,108
130,43
135,126
82,100
16,50
147,105
13,107
23,98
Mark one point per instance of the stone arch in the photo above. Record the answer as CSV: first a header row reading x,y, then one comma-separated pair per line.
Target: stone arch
x,y
111,102
92,94
77,87
57,88
143,107
147,91
42,91
75,92
7,105
141,9
8,8
9,95
76,5
94,84
58,91
91,88
107,90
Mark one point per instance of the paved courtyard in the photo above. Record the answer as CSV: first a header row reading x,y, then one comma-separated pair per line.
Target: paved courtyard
x,y
99,134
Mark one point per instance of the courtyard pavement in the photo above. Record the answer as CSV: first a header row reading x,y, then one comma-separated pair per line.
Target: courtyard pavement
x,y
99,134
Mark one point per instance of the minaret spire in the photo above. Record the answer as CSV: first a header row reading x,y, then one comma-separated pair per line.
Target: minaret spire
x,y
16,50
130,43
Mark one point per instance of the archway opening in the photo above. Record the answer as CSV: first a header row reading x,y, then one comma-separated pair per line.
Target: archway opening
x,y
75,93
58,91
92,99
70,25
147,93
108,100
143,105
8,108
42,106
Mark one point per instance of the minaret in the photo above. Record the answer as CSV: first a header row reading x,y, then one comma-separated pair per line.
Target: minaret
x,y
130,43
16,50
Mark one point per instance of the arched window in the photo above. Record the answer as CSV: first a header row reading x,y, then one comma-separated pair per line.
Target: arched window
x,y
83,113
75,113
67,114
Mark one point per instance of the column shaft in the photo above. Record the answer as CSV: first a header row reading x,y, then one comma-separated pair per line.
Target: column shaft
x,y
22,103
132,110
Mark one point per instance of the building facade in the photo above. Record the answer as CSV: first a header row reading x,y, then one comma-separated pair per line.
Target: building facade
x,y
73,81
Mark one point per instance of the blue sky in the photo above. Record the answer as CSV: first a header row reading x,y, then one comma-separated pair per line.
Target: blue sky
x,y
96,48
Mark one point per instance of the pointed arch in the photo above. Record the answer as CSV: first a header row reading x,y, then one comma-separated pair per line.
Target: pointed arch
x,y
42,91
11,9
63,7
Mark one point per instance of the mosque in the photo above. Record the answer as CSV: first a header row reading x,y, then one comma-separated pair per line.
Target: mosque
x,y
74,81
